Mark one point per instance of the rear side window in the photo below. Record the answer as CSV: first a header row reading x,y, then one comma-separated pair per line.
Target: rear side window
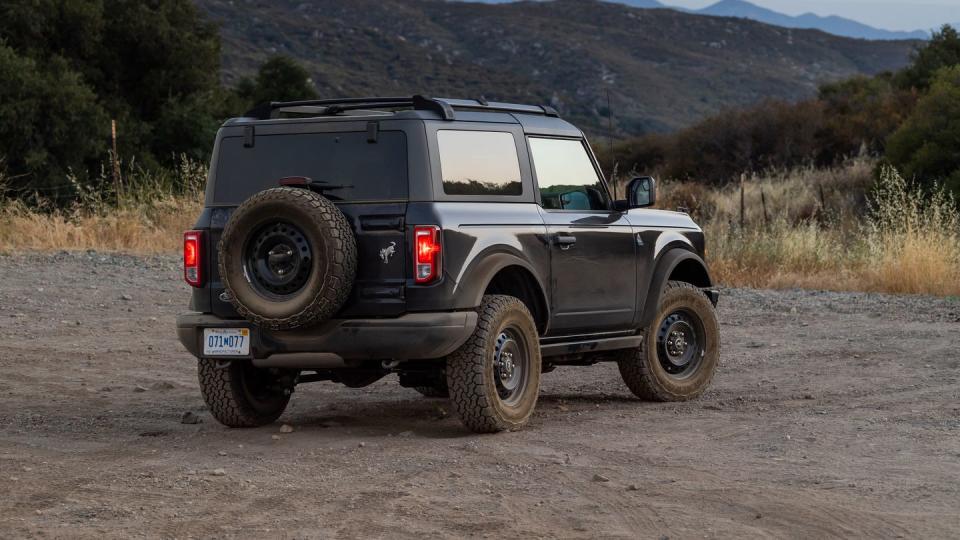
x,y
479,163
566,176
354,169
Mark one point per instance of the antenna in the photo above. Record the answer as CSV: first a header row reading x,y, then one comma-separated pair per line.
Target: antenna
x,y
613,181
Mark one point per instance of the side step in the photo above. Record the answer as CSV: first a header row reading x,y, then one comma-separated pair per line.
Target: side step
x,y
590,345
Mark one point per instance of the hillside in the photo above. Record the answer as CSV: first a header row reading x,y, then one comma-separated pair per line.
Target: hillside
x,y
663,68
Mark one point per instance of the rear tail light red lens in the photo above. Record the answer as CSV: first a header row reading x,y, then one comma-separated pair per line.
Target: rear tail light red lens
x,y
193,258
428,251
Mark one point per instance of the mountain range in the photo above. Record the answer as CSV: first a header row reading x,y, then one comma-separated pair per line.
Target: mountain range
x,y
838,26
660,69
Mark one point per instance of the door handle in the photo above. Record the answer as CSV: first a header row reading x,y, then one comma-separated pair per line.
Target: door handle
x,y
565,241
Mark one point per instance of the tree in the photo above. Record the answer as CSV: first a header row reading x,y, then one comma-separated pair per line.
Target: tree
x,y
927,146
860,113
50,123
941,51
154,66
279,79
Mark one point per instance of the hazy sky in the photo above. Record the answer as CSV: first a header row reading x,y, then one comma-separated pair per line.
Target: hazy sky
x,y
887,14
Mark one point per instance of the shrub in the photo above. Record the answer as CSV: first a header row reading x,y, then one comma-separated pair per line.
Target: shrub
x,y
927,145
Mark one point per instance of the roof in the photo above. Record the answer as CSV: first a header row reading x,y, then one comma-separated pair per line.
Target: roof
x,y
540,119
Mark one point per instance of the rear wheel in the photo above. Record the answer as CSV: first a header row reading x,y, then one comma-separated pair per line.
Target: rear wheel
x,y
242,395
494,378
680,350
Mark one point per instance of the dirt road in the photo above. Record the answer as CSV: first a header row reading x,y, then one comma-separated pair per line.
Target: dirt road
x,y
831,415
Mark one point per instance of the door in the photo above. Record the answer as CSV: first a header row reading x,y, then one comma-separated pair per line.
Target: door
x,y
592,248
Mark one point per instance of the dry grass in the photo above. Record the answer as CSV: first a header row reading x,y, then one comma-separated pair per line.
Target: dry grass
x,y
904,241
898,241
157,228
148,217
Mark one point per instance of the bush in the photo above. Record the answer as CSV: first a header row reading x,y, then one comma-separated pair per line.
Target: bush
x,y
943,50
50,124
70,66
279,79
927,145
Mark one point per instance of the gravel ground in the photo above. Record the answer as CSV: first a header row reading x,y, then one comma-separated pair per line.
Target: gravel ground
x,y
831,415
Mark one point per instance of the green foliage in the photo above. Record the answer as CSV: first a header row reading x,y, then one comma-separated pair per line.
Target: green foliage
x,y
279,79
74,65
943,50
927,145
50,123
869,116
771,135
859,114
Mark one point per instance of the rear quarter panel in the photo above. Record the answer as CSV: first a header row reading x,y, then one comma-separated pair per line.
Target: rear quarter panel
x,y
478,240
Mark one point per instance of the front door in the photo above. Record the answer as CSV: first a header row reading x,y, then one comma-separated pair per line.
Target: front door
x,y
593,251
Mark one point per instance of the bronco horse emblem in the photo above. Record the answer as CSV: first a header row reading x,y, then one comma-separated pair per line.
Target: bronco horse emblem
x,y
388,252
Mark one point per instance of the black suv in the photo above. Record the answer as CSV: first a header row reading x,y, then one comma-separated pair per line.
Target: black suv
x,y
465,245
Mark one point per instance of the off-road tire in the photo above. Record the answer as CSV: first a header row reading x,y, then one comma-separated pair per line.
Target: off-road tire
x,y
226,387
641,368
334,261
437,392
471,371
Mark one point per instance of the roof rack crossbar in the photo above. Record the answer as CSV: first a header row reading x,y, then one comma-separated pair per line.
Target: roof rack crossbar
x,y
265,111
444,107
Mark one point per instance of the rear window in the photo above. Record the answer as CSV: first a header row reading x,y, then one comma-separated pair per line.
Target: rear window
x,y
360,171
479,163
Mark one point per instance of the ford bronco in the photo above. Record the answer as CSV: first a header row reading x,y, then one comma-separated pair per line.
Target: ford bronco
x,y
466,246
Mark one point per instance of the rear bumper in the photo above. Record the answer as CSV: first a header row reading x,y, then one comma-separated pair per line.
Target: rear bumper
x,y
415,336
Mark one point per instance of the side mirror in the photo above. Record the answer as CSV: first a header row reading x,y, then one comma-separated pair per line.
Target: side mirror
x,y
642,192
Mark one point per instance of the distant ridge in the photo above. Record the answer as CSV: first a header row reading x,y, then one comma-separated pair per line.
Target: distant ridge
x,y
838,26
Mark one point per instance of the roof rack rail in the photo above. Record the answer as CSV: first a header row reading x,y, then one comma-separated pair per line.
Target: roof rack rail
x,y
442,106
265,111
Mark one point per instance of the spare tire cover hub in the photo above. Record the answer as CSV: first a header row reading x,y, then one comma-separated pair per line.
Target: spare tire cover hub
x,y
278,259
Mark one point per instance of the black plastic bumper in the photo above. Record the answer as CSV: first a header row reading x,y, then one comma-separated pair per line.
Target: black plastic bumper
x,y
417,336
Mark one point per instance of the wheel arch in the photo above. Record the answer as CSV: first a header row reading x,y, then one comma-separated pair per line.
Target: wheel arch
x,y
505,273
675,264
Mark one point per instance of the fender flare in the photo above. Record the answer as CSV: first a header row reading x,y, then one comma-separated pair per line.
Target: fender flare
x,y
666,264
476,280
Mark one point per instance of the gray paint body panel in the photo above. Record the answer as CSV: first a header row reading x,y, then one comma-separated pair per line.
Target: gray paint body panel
x,y
605,284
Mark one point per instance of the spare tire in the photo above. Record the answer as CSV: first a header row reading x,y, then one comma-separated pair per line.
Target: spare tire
x,y
287,258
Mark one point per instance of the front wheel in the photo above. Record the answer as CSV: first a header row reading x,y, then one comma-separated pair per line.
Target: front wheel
x,y
242,395
494,378
680,350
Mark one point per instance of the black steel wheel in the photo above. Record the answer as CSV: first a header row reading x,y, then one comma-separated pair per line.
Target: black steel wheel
x,y
278,259
511,364
494,378
680,351
680,341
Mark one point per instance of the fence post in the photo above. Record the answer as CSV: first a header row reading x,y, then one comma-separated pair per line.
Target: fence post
x,y
743,178
823,204
116,162
763,201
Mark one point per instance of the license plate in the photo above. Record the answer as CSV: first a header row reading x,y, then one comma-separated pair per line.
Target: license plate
x,y
226,341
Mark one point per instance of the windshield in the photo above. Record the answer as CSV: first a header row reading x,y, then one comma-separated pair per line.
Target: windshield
x,y
352,168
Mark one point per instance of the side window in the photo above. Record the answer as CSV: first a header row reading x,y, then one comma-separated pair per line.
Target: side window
x,y
566,176
479,163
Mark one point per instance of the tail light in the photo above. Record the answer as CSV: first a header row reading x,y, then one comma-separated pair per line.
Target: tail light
x,y
426,260
193,258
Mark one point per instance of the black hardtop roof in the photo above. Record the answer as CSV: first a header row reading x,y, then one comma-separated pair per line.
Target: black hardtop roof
x,y
541,119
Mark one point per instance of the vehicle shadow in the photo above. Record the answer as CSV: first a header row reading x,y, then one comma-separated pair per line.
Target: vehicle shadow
x,y
426,417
